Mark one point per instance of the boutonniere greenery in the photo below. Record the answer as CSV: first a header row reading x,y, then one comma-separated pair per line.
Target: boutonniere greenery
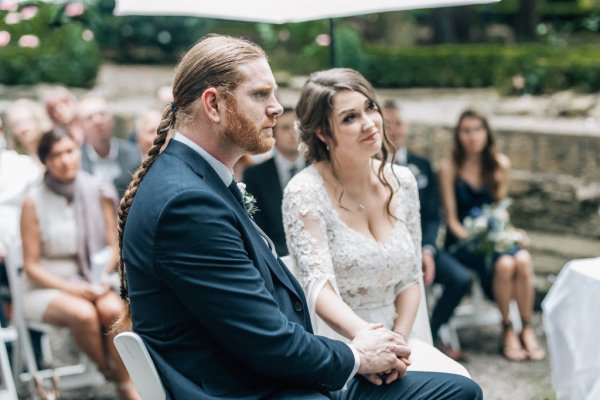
x,y
248,199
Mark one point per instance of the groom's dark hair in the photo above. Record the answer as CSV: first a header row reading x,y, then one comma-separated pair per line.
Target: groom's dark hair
x,y
212,63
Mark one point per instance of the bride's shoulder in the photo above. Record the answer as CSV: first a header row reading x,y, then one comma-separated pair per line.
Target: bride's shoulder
x,y
307,181
398,175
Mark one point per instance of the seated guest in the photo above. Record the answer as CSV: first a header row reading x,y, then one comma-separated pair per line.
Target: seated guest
x,y
267,180
111,159
477,175
61,106
146,125
26,121
64,222
438,265
17,174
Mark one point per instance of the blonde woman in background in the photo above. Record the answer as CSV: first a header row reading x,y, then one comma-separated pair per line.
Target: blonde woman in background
x,y
26,122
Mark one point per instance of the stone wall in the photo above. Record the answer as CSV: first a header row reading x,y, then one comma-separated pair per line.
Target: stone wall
x,y
555,177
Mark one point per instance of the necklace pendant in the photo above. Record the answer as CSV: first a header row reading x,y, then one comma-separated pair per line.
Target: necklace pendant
x,y
361,207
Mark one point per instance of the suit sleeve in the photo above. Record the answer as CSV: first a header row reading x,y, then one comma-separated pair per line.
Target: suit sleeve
x,y
212,274
430,208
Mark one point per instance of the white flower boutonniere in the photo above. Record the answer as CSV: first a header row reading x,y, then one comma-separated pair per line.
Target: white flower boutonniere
x,y
248,199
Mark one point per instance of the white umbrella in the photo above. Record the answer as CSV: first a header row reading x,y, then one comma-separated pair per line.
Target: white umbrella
x,y
279,11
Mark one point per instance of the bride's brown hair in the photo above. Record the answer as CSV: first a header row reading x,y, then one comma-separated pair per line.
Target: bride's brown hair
x,y
314,114
212,62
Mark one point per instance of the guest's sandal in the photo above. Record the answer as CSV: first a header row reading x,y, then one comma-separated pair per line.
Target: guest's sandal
x,y
529,342
510,346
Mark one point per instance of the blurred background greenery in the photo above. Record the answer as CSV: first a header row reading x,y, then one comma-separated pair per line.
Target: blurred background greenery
x,y
518,46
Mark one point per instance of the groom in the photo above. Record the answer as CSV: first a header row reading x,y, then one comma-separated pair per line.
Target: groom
x,y
220,314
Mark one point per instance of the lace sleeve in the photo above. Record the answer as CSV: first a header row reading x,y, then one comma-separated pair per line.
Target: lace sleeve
x,y
408,197
304,221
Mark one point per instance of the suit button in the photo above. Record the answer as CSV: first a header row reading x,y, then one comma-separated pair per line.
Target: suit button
x,y
298,306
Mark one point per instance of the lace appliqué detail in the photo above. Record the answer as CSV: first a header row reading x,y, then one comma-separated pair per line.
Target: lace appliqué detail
x,y
367,273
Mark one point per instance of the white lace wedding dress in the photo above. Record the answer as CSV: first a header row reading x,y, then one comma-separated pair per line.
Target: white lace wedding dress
x,y
367,274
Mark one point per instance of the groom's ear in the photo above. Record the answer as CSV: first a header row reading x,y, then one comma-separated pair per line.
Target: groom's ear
x,y
210,104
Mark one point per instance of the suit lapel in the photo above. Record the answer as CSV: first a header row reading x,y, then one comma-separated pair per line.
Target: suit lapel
x,y
202,168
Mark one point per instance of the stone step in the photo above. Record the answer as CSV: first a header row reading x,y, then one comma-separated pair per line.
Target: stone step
x,y
552,251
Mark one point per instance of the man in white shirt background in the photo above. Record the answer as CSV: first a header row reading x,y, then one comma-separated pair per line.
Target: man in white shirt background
x,y
111,159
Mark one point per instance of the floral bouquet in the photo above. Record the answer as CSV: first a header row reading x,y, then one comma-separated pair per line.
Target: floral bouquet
x,y
489,231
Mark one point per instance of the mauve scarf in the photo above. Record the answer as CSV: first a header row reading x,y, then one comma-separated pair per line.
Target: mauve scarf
x,y
86,193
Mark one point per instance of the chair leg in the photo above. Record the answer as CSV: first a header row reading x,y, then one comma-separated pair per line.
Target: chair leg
x,y
9,391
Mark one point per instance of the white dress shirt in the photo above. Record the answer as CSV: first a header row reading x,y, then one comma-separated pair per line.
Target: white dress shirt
x,y
284,166
402,156
18,173
105,168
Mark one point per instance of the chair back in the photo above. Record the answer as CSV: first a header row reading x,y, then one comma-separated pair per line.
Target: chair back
x,y
140,366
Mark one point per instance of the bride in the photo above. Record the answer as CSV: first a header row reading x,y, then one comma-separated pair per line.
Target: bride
x,y
352,222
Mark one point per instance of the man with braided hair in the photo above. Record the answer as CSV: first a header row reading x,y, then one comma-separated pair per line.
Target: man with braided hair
x,y
219,312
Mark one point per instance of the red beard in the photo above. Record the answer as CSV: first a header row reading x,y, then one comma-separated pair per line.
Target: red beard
x,y
243,133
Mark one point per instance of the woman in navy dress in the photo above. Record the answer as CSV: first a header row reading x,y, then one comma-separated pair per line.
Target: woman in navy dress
x,y
475,176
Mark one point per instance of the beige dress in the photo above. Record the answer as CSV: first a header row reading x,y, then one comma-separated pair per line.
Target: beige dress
x,y
58,230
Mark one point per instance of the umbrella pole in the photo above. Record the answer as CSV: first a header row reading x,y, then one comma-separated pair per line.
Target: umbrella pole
x,y
332,43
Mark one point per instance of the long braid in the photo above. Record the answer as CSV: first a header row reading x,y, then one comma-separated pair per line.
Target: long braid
x,y
166,124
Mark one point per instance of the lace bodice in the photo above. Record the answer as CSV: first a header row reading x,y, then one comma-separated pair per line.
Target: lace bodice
x,y
367,273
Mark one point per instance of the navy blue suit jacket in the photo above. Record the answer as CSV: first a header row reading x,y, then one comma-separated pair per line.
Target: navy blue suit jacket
x,y
428,197
220,315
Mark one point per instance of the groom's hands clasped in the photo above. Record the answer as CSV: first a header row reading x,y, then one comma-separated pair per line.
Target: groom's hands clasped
x,y
383,354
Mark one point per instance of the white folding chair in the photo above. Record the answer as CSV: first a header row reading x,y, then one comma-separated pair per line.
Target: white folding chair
x,y
7,385
82,374
140,366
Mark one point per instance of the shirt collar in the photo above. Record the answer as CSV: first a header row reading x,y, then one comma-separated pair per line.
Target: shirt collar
x,y
221,169
402,156
285,164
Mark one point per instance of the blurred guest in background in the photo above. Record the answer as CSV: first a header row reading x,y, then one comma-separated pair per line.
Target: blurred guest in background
x,y
146,126
104,156
474,177
65,222
438,265
18,173
26,122
61,106
267,180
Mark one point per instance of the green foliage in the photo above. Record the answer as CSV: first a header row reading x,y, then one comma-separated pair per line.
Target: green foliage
x,y
47,47
144,39
543,69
